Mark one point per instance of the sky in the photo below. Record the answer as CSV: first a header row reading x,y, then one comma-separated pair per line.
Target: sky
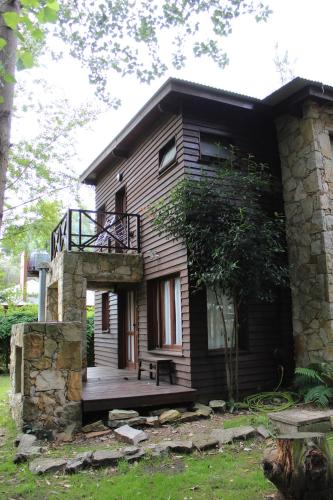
x,y
301,27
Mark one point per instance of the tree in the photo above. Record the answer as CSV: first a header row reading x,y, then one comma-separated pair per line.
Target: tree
x,y
122,36
40,175
234,238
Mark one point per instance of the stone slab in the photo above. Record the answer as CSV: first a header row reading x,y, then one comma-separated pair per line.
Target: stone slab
x,y
46,465
105,457
130,435
122,414
205,442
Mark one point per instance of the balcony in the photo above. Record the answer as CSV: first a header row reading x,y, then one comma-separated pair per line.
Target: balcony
x,y
96,231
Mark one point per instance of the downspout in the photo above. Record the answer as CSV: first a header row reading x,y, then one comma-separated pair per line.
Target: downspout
x,y
43,267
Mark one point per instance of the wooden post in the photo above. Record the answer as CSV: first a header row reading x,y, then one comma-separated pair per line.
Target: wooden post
x,y
300,466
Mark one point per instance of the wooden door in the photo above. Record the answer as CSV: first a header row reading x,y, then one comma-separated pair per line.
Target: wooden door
x,y
130,330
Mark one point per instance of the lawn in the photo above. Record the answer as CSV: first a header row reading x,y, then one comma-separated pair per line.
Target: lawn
x,y
232,474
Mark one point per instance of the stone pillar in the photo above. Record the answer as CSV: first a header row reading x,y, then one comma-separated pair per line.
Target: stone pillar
x,y
45,372
307,176
52,302
72,301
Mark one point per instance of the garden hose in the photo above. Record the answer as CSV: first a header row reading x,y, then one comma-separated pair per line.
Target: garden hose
x,y
270,401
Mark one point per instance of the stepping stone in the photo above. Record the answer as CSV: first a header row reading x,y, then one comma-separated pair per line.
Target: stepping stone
x,y
28,447
223,436
205,442
47,465
135,421
122,414
263,432
130,435
105,457
169,416
180,446
218,405
152,421
130,450
302,420
202,410
95,427
79,462
244,432
156,450
189,416
136,456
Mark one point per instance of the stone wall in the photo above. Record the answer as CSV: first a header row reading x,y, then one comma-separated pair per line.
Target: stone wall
x,y
46,375
71,273
307,176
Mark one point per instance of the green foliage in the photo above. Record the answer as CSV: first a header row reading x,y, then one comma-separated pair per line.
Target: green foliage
x,y
125,37
319,395
32,228
90,340
306,376
315,383
13,315
40,175
235,239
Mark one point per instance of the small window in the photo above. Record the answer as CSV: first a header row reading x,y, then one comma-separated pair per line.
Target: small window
x,y
105,312
216,338
214,146
165,313
167,155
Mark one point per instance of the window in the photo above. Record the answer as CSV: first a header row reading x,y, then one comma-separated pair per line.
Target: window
x,y
164,308
214,321
167,155
105,312
214,146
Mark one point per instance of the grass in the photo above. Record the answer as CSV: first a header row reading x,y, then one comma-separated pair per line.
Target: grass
x,y
232,474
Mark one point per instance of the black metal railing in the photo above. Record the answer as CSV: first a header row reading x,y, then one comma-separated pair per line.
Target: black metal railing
x,y
96,231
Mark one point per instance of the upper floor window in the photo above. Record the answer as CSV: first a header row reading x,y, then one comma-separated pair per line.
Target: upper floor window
x,y
214,147
167,155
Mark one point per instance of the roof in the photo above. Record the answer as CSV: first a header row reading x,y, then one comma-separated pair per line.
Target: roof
x,y
173,89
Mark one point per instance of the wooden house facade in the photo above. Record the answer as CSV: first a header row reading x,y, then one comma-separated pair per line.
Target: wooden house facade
x,y
170,138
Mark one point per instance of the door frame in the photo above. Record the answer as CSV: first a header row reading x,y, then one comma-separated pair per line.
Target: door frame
x,y
122,330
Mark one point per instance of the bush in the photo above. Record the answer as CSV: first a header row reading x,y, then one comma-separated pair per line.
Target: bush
x,y
28,314
90,337
8,318
315,383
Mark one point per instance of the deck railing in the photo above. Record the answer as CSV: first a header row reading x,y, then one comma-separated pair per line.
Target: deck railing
x,y
96,231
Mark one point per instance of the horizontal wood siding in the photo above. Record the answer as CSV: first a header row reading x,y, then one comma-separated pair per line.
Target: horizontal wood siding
x,y
106,343
269,325
162,257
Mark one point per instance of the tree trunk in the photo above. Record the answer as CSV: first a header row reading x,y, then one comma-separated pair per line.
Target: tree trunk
x,y
301,467
7,62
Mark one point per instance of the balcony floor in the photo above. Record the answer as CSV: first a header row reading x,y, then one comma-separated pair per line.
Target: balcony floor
x,y
109,388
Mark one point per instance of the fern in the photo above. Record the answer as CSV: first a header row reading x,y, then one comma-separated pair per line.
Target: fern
x,y
306,376
315,383
320,395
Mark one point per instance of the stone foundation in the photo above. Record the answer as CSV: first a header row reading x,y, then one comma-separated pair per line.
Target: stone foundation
x,y
307,176
45,373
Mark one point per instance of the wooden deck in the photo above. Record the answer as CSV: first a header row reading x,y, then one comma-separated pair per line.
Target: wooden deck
x,y
109,388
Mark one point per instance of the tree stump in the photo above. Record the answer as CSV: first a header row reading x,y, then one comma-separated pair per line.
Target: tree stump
x,y
300,466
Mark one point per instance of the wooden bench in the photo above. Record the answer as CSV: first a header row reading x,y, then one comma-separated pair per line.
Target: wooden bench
x,y
154,366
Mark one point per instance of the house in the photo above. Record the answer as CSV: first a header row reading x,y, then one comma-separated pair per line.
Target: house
x,y
144,302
